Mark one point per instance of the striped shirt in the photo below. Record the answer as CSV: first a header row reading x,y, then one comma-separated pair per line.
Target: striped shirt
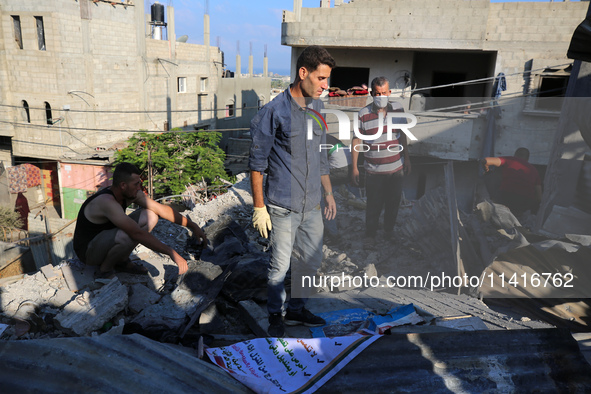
x,y
382,156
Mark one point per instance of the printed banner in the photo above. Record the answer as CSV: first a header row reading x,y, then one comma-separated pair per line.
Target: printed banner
x,y
289,365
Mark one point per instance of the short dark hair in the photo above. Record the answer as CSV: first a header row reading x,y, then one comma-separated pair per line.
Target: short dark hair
x,y
123,172
522,153
312,57
379,81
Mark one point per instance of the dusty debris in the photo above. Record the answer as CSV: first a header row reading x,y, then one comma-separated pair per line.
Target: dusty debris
x,y
77,279
90,311
225,279
141,297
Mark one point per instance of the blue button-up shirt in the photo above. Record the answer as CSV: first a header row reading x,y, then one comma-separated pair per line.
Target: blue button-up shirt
x,y
281,142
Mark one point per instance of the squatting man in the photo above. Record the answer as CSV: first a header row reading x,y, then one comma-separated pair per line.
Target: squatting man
x,y
105,236
298,173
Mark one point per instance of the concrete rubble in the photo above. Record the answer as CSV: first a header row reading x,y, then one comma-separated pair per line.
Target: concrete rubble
x,y
101,306
66,300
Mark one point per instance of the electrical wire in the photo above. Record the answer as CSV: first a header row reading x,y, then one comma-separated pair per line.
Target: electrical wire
x,y
117,111
468,82
45,126
487,79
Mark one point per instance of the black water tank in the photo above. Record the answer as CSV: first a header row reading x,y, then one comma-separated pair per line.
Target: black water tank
x,y
157,12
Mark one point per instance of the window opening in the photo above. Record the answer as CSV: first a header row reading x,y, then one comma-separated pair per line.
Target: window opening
x,y
182,84
26,113
40,32
18,37
48,113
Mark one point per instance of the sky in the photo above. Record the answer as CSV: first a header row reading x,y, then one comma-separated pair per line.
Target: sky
x,y
257,22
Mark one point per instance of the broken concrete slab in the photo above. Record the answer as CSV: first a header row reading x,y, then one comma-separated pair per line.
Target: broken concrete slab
x,y
89,312
255,317
141,297
185,299
249,278
160,271
165,313
199,276
569,220
224,226
60,298
78,279
48,272
33,288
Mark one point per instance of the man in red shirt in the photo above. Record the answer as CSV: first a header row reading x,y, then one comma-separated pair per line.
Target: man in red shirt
x,y
521,187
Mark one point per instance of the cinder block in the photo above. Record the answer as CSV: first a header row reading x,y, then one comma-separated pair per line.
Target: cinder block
x,y
48,271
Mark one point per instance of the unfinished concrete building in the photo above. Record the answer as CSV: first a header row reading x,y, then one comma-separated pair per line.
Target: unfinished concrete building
x,y
439,55
77,77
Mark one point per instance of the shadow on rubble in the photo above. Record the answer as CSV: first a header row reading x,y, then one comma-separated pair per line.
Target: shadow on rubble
x,y
229,266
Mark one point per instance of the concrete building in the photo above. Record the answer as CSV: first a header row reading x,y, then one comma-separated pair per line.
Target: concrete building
x,y
238,99
77,77
445,53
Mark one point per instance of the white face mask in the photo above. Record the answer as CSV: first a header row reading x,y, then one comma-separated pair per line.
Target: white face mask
x,y
380,101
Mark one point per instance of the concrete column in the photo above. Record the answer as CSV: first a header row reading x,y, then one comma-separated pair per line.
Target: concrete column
x,y
250,66
206,30
324,3
297,9
171,32
141,28
294,59
206,39
265,67
238,67
171,100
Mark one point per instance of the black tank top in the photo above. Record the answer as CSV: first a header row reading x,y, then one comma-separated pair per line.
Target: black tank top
x,y
86,230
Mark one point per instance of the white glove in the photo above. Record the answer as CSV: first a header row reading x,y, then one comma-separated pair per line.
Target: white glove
x,y
262,221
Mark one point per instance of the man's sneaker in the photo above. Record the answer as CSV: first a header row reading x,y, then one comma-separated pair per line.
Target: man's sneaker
x,y
304,317
276,327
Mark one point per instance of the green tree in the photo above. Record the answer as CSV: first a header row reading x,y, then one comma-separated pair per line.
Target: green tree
x,y
178,159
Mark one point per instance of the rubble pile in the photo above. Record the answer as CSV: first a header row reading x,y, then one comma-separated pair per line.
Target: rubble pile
x,y
66,300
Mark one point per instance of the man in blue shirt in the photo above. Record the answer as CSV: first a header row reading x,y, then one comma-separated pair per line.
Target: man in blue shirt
x,y
286,141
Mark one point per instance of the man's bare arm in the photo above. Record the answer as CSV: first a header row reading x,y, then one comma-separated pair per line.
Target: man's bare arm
x,y
172,215
111,209
256,184
490,161
113,212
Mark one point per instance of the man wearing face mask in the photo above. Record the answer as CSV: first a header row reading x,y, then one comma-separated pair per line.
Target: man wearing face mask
x,y
386,160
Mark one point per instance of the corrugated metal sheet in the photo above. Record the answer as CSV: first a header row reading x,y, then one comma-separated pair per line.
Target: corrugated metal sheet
x,y
515,274
53,249
107,364
512,361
